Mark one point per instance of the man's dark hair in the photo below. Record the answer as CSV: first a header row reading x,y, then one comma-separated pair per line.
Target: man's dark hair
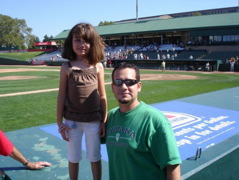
x,y
124,65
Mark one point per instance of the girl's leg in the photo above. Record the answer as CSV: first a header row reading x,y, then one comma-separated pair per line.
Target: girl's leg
x,y
93,148
96,170
73,170
74,148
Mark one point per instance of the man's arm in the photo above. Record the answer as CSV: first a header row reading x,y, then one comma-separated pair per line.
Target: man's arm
x,y
7,149
173,172
17,155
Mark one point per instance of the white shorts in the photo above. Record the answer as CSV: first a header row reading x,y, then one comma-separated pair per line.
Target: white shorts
x,y
92,141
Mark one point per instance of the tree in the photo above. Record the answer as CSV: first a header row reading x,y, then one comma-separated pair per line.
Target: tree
x,y
197,14
31,40
14,32
105,23
46,38
60,43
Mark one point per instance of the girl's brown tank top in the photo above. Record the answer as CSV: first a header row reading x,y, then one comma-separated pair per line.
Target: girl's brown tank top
x,y
82,100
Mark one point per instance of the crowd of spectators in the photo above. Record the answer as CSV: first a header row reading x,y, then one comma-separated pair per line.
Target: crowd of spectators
x,y
166,51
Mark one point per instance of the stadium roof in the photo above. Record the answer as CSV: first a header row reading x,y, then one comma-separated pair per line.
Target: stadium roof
x,y
162,25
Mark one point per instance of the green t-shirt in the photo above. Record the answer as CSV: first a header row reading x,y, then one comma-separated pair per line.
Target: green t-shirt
x,y
140,144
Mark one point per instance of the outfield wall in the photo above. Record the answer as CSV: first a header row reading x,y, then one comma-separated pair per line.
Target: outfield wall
x,y
5,61
198,65
186,65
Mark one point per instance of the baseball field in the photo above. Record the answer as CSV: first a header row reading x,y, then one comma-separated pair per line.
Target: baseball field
x,y
28,93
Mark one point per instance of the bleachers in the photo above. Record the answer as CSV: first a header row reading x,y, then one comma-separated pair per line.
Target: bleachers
x,y
111,49
162,47
166,51
143,55
53,56
195,54
165,47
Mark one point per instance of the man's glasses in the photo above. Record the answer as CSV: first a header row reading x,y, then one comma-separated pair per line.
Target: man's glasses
x,y
127,82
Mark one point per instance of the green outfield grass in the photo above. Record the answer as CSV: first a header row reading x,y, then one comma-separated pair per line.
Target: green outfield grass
x,y
21,55
17,112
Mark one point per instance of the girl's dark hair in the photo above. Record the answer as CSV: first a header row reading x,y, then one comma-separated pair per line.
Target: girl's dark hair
x,y
124,65
89,34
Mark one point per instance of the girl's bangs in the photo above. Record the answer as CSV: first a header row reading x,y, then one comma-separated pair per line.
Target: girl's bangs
x,y
82,33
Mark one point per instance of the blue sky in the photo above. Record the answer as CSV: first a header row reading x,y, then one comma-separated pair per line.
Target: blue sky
x,y
50,17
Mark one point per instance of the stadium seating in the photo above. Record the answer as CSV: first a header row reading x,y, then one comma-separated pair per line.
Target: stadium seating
x,y
153,52
53,56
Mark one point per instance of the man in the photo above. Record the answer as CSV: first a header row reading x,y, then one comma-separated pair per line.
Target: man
x,y
163,66
140,141
8,149
232,63
207,66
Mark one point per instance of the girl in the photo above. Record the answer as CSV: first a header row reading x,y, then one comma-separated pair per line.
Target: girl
x,y
82,97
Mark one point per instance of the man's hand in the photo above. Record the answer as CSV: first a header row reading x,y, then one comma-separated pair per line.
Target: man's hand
x,y
102,129
37,165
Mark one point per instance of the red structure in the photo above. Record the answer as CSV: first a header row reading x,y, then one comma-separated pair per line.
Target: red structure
x,y
45,46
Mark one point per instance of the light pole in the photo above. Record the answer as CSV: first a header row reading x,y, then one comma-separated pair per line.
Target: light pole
x,y
137,10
